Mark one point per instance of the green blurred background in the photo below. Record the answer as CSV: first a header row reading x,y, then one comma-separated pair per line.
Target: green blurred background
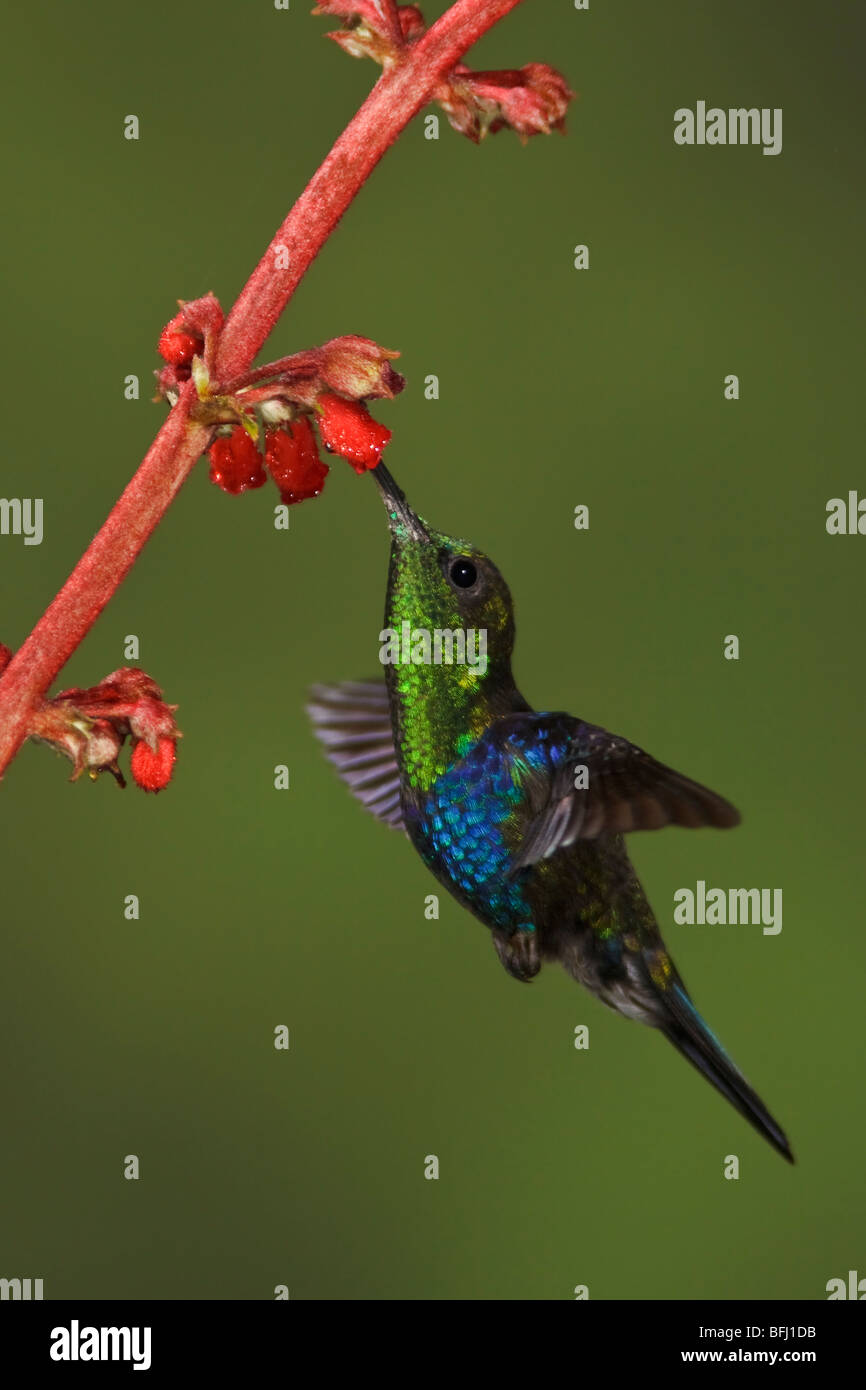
x,y
260,907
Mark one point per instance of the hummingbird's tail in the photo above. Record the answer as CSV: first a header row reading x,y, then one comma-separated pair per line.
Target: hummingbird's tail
x,y
685,1028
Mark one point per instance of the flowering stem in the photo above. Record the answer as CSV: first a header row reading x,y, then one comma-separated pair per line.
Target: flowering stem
x,y
395,99
399,94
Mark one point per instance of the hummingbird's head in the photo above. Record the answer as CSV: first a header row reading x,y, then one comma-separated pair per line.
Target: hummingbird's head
x,y
440,584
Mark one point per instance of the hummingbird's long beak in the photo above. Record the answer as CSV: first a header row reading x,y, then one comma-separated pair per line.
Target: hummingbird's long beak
x,y
401,518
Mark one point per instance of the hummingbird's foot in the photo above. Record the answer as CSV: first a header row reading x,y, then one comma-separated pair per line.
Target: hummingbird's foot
x,y
519,953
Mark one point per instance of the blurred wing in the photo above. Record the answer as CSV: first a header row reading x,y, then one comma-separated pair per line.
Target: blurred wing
x,y
600,784
353,722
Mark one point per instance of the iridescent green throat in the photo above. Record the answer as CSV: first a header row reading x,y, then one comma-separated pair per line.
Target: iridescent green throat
x,y
448,672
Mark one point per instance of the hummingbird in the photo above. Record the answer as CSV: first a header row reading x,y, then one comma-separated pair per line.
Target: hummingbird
x,y
520,814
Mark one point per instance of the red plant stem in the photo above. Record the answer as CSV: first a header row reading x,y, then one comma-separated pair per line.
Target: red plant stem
x,y
397,97
99,572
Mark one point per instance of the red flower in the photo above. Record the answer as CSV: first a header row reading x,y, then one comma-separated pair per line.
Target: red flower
x,y
349,430
325,385
152,770
358,367
235,463
294,463
90,726
533,100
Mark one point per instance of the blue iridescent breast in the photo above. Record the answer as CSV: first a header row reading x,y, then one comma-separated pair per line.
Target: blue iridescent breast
x,y
469,822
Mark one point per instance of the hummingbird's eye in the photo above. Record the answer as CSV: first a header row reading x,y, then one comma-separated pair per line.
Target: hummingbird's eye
x,y
463,573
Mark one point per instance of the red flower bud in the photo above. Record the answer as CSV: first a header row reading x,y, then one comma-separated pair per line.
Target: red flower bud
x,y
294,463
349,430
531,100
193,332
152,770
355,12
367,33
5,656
411,21
358,368
176,346
235,463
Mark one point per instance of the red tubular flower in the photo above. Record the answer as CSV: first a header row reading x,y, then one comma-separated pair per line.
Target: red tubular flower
x,y
152,770
349,430
235,463
294,463
331,381
278,396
